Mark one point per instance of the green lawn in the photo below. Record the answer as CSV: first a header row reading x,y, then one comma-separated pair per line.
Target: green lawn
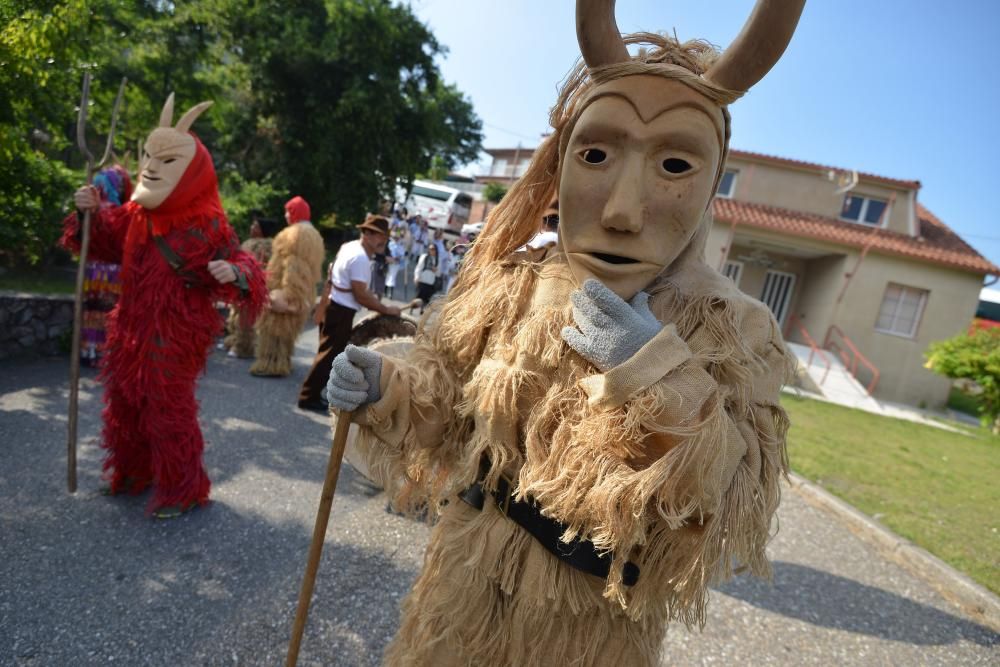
x,y
936,488
38,284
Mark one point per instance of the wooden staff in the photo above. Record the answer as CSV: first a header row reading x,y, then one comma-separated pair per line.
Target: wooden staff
x,y
74,364
319,534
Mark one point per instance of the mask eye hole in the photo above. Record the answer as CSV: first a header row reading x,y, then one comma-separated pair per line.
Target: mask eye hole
x,y
594,156
169,160
675,165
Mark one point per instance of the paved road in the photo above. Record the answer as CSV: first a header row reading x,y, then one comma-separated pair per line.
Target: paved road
x,y
89,580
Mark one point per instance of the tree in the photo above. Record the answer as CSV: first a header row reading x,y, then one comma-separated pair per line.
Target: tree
x,y
45,47
347,100
37,64
438,170
494,192
335,100
975,357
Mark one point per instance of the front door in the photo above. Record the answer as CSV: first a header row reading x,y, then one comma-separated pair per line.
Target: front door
x,y
777,293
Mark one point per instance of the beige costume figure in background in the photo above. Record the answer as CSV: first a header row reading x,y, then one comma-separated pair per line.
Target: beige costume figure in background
x,y
660,453
295,268
240,339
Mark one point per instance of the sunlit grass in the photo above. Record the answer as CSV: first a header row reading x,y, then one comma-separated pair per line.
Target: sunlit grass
x,y
936,488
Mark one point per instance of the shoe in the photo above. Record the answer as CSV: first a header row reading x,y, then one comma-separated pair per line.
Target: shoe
x,y
259,374
129,485
315,406
173,511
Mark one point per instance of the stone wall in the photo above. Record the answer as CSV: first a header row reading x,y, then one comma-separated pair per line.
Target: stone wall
x,y
34,324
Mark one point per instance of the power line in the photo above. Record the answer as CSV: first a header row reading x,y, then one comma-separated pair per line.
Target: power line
x,y
516,134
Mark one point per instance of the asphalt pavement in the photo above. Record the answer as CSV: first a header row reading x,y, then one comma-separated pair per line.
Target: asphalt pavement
x,y
91,580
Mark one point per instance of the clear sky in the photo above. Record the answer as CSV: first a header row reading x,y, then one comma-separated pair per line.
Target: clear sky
x,y
908,89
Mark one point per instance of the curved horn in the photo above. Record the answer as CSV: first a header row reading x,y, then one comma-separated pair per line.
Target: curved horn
x,y
167,115
184,124
758,46
596,30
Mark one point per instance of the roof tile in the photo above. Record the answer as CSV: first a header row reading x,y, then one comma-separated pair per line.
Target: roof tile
x,y
910,185
936,243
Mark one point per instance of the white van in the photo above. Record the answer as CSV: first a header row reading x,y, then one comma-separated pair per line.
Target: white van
x,y
442,206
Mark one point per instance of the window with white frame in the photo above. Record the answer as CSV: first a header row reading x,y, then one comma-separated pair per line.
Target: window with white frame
x,y
733,270
866,210
727,184
499,167
902,308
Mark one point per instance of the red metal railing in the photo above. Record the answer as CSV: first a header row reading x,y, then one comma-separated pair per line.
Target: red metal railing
x,y
814,349
851,357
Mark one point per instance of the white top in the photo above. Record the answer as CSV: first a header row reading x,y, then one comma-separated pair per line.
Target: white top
x,y
351,264
426,275
542,239
418,236
444,257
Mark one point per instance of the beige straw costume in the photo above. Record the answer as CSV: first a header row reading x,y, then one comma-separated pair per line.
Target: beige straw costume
x,y
239,332
669,461
295,268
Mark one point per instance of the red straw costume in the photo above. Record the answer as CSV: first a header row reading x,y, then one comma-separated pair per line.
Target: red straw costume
x,y
162,329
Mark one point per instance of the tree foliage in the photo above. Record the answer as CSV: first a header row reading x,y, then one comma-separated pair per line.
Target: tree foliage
x,y
975,357
494,192
333,100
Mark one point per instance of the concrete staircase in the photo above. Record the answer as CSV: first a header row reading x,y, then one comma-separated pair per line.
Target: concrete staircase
x,y
836,384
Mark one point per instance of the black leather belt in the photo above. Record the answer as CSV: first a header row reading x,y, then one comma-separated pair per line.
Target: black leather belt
x,y
580,554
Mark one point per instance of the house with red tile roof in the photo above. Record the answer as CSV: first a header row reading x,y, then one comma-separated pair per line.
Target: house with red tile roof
x,y
852,265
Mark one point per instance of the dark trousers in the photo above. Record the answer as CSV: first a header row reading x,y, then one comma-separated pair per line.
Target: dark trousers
x,y
334,333
424,292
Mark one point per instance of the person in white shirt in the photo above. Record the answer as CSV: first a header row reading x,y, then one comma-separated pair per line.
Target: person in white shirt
x,y
346,291
426,275
396,256
444,259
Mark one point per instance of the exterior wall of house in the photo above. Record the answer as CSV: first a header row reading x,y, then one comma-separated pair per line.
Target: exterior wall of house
x,y
949,307
822,281
820,269
715,244
508,164
810,191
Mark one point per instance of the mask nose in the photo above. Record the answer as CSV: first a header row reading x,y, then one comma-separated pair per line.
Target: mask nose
x,y
623,211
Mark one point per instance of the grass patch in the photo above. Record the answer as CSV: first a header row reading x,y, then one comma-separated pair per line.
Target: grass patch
x,y
936,488
37,284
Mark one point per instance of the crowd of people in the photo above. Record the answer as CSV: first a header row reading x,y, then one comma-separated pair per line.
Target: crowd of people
x,y
416,255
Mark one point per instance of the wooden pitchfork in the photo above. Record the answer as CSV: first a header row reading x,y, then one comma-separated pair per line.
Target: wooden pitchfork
x,y
74,364
319,534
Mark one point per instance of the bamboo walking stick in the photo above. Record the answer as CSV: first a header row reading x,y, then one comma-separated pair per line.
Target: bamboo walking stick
x,y
319,534
74,364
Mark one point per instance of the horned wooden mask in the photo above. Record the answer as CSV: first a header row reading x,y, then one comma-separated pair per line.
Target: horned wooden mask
x,y
167,153
640,166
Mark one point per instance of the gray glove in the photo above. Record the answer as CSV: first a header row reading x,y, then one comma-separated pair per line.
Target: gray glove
x,y
609,330
354,378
